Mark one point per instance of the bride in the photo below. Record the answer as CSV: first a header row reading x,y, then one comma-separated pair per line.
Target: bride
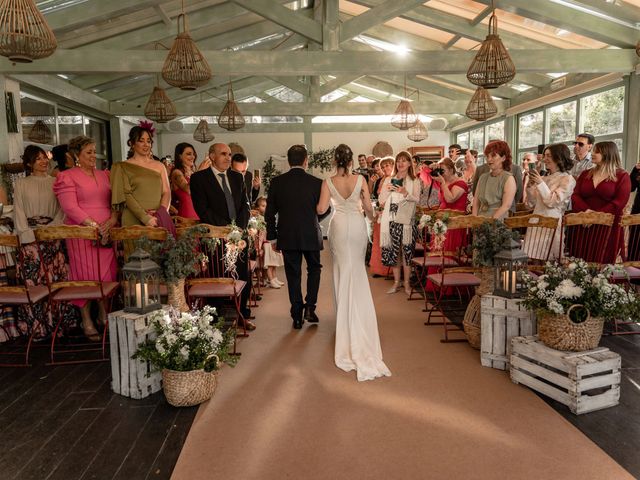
x,y
357,339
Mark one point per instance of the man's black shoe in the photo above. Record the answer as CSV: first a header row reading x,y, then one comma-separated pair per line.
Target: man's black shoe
x,y
297,323
310,316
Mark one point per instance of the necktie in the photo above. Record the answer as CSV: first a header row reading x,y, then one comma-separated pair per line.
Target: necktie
x,y
231,207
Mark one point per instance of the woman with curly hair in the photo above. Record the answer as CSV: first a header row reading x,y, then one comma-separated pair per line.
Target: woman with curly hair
x,y
496,188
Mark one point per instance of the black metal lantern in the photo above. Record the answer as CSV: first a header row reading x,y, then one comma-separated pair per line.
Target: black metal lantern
x,y
510,263
142,283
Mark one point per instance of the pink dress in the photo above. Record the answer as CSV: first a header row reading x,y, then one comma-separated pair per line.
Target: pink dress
x,y
80,197
184,202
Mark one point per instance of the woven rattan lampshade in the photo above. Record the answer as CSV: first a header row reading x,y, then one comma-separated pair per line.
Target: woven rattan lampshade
x,y
404,118
202,133
492,65
25,35
481,106
418,132
185,67
159,107
40,133
230,117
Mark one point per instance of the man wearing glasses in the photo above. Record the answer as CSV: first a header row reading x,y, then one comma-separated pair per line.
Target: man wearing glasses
x,y
582,149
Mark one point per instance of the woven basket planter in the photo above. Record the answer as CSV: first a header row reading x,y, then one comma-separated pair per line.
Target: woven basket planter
x,y
562,333
185,389
176,298
471,321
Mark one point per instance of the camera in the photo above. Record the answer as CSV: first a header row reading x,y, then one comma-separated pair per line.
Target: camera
x,y
437,172
463,151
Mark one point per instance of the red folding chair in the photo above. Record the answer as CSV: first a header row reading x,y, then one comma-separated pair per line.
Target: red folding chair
x,y
630,264
586,235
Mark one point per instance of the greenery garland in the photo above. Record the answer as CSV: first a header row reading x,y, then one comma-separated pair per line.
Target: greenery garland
x,y
322,159
269,171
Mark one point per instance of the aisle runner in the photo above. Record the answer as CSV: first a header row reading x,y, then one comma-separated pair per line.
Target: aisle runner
x,y
287,412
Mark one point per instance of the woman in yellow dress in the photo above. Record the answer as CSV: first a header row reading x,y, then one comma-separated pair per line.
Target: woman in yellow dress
x,y
139,185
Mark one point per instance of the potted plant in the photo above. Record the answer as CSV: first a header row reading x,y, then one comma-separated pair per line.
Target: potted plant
x,y
189,349
572,299
488,240
178,258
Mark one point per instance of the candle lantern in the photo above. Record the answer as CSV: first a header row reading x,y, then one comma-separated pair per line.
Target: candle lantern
x,y
510,263
142,283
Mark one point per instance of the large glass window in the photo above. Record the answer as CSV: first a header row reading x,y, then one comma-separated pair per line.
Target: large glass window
x,y
462,139
561,122
495,131
38,120
530,130
603,113
476,139
70,124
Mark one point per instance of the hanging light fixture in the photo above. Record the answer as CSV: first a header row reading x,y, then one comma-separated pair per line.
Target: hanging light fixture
x,y
230,117
159,107
492,65
404,117
481,106
185,67
418,132
40,133
25,35
202,133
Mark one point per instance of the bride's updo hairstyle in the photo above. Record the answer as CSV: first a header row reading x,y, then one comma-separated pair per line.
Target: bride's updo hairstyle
x,y
343,157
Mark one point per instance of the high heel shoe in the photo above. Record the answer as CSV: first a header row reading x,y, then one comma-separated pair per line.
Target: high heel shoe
x,y
395,288
407,289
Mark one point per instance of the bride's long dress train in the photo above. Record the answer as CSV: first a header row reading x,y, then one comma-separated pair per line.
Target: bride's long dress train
x,y
357,339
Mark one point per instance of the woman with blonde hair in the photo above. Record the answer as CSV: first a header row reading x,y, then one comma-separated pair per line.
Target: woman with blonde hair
x,y
604,188
398,231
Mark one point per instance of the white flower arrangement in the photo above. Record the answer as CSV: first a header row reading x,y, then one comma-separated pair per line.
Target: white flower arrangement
x,y
187,341
256,225
576,282
437,228
234,246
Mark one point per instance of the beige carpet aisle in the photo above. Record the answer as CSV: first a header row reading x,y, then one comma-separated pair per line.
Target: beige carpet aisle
x,y
286,412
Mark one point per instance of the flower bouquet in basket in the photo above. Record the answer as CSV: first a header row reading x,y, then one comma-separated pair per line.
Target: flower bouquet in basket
x,y
234,247
572,299
437,228
189,348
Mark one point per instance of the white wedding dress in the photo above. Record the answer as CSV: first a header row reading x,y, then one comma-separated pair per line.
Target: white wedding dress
x,y
357,339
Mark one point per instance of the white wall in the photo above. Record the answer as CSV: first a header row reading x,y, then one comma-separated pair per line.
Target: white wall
x,y
259,146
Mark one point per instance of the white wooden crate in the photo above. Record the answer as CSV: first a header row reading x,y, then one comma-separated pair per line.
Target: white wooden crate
x,y
584,381
128,376
501,320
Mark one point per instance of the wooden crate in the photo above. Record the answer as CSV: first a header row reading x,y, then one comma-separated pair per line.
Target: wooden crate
x,y
128,376
501,320
584,381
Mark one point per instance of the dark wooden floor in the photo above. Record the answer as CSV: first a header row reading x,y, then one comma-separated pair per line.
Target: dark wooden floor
x,y
64,423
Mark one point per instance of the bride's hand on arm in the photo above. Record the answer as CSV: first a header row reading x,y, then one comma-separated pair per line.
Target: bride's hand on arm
x,y
325,197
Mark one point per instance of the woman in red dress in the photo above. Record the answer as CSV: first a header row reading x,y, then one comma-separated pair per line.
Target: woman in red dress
x,y
185,159
376,268
604,188
452,192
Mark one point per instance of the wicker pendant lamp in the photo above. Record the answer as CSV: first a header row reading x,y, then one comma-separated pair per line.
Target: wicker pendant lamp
x,y
481,106
230,117
185,67
492,65
202,133
159,107
418,132
25,35
40,133
404,117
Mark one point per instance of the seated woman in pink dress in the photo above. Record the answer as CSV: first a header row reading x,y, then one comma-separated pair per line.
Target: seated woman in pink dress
x,y
185,160
84,194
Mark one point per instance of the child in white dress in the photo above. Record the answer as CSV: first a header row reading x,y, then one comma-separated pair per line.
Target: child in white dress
x,y
272,260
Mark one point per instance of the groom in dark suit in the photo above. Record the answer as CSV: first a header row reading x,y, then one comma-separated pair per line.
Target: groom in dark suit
x,y
219,197
293,197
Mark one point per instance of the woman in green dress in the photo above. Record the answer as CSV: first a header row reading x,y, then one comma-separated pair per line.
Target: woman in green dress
x,y
139,185
496,188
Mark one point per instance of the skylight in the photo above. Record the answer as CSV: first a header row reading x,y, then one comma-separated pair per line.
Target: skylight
x,y
556,74
252,99
520,87
379,92
335,95
362,99
381,45
596,13
360,119
285,94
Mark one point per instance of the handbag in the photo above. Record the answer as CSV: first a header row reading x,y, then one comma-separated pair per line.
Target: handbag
x,y
164,220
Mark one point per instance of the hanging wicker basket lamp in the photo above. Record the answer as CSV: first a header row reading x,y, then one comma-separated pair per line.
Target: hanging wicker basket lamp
x,y
492,65
481,106
25,35
202,133
404,117
159,107
185,67
418,132
40,133
230,117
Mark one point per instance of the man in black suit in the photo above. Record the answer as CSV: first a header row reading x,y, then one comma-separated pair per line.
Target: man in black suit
x,y
240,164
293,197
219,197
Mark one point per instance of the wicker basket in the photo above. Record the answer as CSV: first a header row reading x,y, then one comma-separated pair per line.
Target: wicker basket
x,y
561,333
176,298
471,322
185,389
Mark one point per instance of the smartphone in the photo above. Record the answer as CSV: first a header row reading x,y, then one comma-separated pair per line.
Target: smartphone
x,y
541,148
532,166
397,182
256,172
463,151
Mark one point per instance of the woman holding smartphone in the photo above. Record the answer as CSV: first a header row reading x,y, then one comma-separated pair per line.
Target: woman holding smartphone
x,y
549,195
398,231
